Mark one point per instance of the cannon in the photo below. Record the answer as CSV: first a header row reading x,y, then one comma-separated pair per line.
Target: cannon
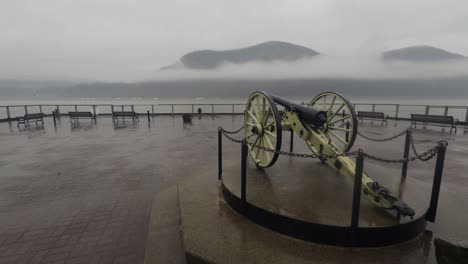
x,y
328,125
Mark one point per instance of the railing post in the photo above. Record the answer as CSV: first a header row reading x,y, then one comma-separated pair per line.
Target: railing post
x,y
148,114
466,115
25,109
427,110
233,112
397,109
122,108
112,108
94,110
291,143
172,106
133,108
243,175
53,115
57,111
220,153
76,108
404,168
193,110
446,110
40,108
357,189
9,116
439,168
373,107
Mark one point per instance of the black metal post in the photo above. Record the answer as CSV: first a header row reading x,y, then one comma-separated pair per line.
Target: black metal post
x,y
220,154
357,189
439,168
53,115
291,144
148,114
347,132
404,168
243,175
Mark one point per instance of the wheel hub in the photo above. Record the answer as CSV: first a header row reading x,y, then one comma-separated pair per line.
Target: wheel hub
x,y
258,129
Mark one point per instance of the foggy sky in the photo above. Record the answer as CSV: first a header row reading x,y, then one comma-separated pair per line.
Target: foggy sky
x,y
128,40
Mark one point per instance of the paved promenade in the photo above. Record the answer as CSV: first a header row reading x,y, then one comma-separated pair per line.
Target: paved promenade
x,y
84,194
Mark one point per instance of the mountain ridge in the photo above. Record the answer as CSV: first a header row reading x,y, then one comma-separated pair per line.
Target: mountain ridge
x,y
266,51
420,53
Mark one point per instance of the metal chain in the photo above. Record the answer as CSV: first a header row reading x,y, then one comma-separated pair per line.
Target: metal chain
x,y
425,156
385,139
233,132
226,134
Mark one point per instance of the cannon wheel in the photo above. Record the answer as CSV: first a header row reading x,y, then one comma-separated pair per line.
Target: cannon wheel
x,y
342,124
262,128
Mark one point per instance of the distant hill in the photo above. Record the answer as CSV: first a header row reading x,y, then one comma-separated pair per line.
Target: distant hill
x,y
267,51
420,54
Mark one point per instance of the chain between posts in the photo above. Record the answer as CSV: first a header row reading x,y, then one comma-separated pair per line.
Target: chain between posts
x,y
385,139
425,156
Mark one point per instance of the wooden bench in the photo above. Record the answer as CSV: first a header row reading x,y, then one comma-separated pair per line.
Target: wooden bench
x,y
74,116
373,115
124,114
440,120
37,117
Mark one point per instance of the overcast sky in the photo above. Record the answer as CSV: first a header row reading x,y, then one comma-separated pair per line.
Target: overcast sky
x,y
129,40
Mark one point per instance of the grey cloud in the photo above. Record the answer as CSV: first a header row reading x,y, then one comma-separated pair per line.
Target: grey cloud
x,y
115,40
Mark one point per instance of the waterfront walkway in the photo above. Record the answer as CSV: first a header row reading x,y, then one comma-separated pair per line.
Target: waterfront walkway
x,y
84,194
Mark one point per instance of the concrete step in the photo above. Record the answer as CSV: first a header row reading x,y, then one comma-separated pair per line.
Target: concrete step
x,y
165,242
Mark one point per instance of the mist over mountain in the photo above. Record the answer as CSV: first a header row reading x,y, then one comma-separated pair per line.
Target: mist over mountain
x,y
421,54
263,52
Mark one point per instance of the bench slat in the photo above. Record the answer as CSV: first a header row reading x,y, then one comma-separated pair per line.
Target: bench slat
x,y
432,118
371,114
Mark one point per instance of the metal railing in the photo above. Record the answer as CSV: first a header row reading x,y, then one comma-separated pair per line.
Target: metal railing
x,y
394,111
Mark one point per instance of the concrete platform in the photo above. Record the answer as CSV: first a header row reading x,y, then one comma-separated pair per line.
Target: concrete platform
x,y
309,190
85,194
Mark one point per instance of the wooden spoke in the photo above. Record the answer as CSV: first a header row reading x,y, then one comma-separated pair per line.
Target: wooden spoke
x,y
324,106
340,119
269,133
331,106
268,141
257,108
268,155
337,111
270,124
338,137
340,129
267,116
253,117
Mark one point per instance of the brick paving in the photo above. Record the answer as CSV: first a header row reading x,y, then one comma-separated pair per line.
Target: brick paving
x,y
83,195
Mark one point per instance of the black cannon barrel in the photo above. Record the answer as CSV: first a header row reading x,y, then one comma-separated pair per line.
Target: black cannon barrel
x,y
307,113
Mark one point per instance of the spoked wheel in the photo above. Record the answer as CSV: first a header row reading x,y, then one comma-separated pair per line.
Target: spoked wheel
x,y
262,128
341,126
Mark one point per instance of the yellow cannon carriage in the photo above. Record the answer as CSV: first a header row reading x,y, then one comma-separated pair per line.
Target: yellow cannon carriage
x,y
328,125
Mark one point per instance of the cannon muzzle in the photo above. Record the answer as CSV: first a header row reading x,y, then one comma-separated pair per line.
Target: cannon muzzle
x,y
307,113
